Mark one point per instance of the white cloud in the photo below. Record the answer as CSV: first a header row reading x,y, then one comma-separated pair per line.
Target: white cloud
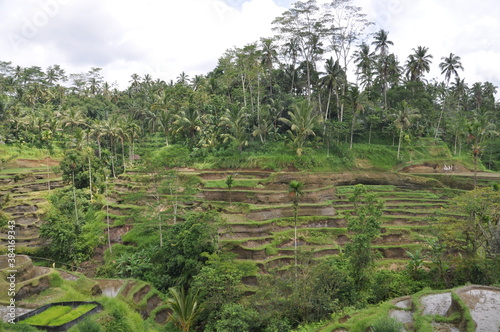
x,y
166,37
465,28
162,38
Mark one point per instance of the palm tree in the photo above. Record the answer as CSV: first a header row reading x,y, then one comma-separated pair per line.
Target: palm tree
x,y
403,118
184,308
364,60
357,101
302,122
74,118
235,120
334,80
479,128
96,130
183,79
292,49
382,43
448,66
187,121
295,191
269,54
418,63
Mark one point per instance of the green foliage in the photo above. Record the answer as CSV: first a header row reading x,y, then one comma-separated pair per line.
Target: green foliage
x,y
386,324
389,284
17,327
170,156
72,226
218,284
87,325
118,317
476,235
46,317
235,318
305,293
364,226
73,314
184,308
181,256
380,156
76,169
4,219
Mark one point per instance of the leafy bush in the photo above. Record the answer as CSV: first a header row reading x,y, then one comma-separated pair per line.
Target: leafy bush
x,y
387,324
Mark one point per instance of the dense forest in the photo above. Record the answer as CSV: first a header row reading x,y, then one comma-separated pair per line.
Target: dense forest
x,y
290,89
281,102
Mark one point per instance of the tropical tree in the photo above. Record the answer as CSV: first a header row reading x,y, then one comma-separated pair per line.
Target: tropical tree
x,y
364,227
295,192
269,51
229,184
382,43
334,80
449,67
302,122
187,121
235,121
403,119
357,100
305,25
185,308
418,64
364,59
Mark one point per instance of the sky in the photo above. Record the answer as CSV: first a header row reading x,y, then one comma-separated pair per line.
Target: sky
x,y
166,37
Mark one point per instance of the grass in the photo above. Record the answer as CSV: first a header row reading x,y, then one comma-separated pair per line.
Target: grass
x,y
73,314
221,184
46,317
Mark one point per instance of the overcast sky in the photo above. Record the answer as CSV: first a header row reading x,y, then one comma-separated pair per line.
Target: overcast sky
x,y
165,37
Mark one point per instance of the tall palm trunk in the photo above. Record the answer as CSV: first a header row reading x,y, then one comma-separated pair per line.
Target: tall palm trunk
x,y
400,136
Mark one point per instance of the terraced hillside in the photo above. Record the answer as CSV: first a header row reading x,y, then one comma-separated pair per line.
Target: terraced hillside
x,y
259,213
37,286
23,191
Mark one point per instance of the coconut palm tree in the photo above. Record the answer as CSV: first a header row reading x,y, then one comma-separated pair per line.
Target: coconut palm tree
x,y
418,63
235,121
382,43
187,121
403,118
357,100
302,122
184,308
295,192
334,79
449,67
364,59
269,52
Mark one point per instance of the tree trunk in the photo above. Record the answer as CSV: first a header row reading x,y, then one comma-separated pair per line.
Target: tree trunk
x,y
399,144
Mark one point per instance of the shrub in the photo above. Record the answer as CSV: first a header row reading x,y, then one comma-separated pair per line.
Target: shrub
x,y
387,324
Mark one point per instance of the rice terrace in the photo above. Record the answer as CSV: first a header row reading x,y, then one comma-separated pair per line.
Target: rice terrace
x,y
309,181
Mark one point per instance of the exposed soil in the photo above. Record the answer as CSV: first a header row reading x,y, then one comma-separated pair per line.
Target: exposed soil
x,y
141,293
128,286
28,290
162,316
32,163
152,303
